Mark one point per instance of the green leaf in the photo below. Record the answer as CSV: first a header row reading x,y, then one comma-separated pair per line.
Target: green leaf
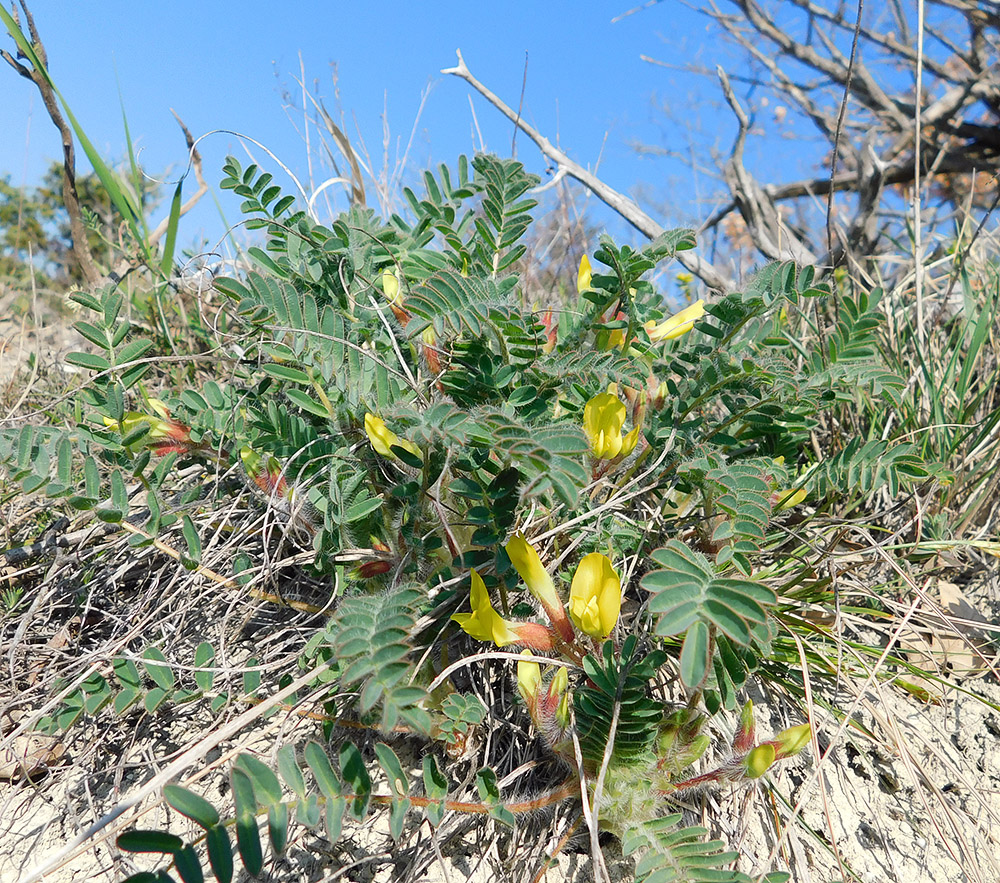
x,y
397,818
266,787
335,808
191,537
204,656
91,361
489,792
167,261
307,403
138,840
251,677
187,865
192,805
126,672
326,779
154,699
125,700
277,827
361,507
286,372
220,853
97,336
436,788
352,768
289,768
397,779
695,655
157,668
308,812
134,350
247,834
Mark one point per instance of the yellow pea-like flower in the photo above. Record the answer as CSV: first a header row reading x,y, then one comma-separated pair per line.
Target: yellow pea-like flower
x,y
757,762
595,596
484,623
529,679
539,582
603,419
383,439
583,275
676,325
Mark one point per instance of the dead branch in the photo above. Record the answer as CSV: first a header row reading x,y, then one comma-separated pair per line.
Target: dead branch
x,y
628,209
959,112
78,232
772,238
71,199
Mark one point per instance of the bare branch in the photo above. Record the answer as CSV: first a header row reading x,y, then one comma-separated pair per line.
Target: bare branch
x,y
628,209
78,232
770,235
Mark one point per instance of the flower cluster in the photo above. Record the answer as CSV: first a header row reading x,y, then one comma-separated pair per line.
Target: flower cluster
x,y
594,603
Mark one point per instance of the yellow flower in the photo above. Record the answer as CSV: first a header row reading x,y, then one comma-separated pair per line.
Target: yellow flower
x,y
603,418
595,597
384,439
677,324
786,499
530,568
159,427
390,285
527,563
484,623
583,275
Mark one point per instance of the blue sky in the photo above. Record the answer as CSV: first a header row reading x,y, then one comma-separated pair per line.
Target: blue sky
x,y
225,65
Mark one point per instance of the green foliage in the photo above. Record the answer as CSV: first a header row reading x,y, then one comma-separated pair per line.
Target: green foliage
x,y
383,390
618,685
369,638
689,596
332,793
667,853
152,685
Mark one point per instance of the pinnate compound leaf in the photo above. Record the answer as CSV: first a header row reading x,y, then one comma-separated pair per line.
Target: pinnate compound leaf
x,y
685,591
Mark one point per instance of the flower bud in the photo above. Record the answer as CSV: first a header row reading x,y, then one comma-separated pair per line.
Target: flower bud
x,y
756,763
